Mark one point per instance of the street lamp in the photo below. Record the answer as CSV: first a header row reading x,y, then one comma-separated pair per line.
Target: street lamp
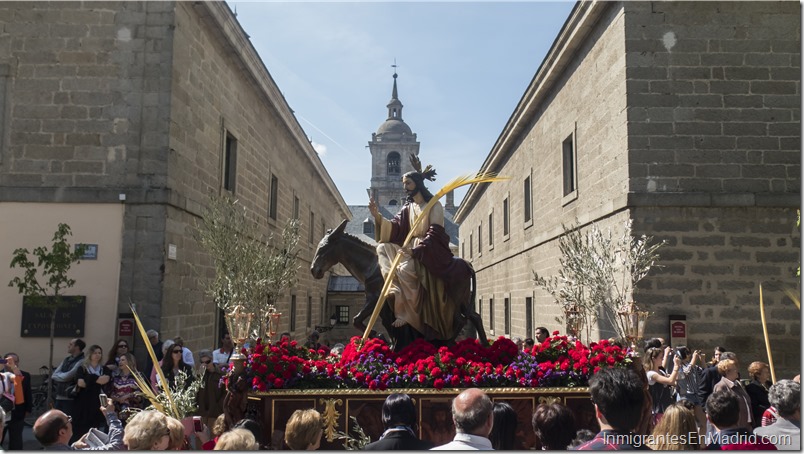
x,y
633,322
333,320
574,320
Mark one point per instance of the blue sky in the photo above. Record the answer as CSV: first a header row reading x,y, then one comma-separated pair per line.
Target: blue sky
x,y
462,66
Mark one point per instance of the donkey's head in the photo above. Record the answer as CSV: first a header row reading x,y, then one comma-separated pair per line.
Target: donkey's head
x,y
328,252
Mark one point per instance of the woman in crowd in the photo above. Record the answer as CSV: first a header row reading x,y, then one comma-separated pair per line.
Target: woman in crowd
x,y
123,389
303,431
659,383
758,390
166,346
729,374
218,429
172,363
237,440
119,349
399,418
503,432
678,430
178,441
554,425
91,378
147,431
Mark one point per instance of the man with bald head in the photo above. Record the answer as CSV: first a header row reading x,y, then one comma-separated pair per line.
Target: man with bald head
x,y
472,413
55,428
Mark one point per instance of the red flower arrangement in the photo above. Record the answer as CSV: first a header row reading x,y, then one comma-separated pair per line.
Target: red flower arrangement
x,y
558,361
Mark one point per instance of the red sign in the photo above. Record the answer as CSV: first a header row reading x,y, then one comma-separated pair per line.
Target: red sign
x,y
678,329
125,328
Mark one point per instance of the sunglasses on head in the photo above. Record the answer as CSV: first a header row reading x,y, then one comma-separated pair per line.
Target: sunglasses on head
x,y
176,351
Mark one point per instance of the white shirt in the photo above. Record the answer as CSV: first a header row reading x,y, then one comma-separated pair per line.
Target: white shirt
x,y
187,356
220,357
466,442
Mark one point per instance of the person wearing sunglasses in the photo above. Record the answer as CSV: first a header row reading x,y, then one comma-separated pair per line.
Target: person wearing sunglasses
x,y
117,350
172,363
210,396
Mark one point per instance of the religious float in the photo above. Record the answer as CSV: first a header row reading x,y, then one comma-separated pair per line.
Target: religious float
x,y
349,390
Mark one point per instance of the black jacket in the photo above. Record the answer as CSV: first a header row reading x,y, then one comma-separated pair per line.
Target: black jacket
x,y
401,439
19,411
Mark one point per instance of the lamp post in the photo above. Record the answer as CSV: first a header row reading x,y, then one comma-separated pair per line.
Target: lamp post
x,y
333,320
574,320
633,322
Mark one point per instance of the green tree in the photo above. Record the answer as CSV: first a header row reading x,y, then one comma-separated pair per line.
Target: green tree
x,y
250,272
53,266
599,273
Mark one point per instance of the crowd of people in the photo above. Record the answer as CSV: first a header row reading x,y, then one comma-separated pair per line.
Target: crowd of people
x,y
675,401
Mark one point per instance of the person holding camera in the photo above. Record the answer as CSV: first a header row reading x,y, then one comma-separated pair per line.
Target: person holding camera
x,y
660,384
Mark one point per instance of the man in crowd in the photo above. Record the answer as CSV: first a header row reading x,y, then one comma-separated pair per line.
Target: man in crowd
x,y
785,396
618,397
65,375
473,416
54,430
220,357
156,345
723,412
211,394
23,399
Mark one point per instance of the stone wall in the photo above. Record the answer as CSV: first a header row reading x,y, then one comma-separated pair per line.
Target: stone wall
x,y
714,96
588,101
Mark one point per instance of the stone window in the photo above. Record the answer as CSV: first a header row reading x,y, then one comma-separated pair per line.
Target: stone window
x,y
393,163
296,205
480,239
527,200
393,202
368,227
568,166
471,249
230,163
506,224
491,230
274,197
528,316
343,314
491,314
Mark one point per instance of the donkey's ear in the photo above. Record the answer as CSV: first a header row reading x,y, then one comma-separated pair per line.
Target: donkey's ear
x,y
340,228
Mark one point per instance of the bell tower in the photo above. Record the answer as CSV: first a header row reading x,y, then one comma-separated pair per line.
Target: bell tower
x,y
391,147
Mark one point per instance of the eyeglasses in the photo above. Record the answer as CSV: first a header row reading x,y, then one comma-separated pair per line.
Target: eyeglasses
x,y
69,421
176,351
122,346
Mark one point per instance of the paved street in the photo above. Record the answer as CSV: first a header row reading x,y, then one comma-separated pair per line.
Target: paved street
x,y
29,442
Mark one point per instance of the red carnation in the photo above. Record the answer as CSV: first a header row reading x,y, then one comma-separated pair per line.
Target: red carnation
x,y
279,383
438,383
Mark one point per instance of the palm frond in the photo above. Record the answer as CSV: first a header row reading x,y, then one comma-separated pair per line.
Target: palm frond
x,y
171,406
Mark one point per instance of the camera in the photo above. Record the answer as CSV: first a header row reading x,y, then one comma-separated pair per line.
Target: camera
x,y
197,426
104,401
3,361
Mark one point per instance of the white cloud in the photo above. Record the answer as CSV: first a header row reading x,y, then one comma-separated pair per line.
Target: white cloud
x,y
319,148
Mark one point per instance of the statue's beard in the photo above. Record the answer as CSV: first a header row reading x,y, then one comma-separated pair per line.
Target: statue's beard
x,y
412,193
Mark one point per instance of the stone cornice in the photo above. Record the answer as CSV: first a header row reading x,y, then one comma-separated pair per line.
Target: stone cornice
x,y
218,13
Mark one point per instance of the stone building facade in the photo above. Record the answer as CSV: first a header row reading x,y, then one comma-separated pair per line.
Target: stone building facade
x,y
681,117
135,113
